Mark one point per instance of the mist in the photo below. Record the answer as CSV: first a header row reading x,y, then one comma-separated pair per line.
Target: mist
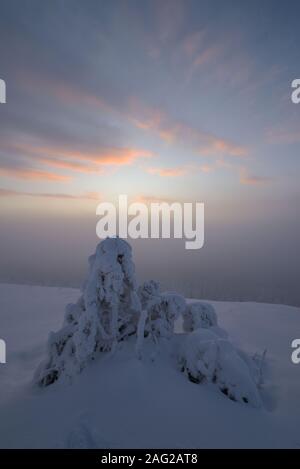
x,y
240,261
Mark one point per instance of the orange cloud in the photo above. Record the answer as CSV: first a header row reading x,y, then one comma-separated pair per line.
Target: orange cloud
x,y
90,161
143,117
106,156
167,172
119,156
82,168
173,131
33,174
206,168
224,147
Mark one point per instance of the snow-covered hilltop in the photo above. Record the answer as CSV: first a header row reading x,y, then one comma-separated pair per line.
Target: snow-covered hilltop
x,y
111,310
132,366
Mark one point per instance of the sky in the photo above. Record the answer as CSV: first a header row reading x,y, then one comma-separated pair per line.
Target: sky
x,y
161,100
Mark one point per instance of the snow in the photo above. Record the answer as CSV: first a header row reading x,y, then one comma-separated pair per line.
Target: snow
x,y
199,315
121,401
162,309
206,357
140,333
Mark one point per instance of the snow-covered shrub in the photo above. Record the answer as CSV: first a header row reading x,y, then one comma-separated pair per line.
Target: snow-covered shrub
x,y
202,315
160,309
205,357
199,315
106,313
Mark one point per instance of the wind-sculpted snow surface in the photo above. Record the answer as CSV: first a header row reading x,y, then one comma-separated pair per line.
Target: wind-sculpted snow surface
x,y
111,309
120,401
106,313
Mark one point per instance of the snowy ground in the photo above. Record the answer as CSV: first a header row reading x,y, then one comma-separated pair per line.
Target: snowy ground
x,y
122,402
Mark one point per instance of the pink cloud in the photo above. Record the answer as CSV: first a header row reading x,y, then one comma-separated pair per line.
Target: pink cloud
x,y
48,195
70,165
192,42
248,179
206,55
145,118
173,131
167,172
89,161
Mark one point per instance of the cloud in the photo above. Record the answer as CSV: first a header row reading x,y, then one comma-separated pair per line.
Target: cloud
x,y
218,146
206,55
101,156
170,18
200,50
191,43
89,160
33,174
106,156
173,131
148,199
119,156
168,172
207,168
7,193
249,179
70,94
193,168
283,136
70,165
147,118
87,195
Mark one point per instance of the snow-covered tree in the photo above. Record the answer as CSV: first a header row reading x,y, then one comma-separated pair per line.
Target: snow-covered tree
x,y
202,315
199,315
206,357
162,309
106,313
149,294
